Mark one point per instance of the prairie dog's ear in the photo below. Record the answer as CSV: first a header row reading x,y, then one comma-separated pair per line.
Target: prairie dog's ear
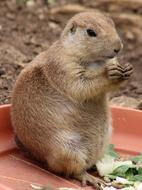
x,y
109,19
70,28
73,27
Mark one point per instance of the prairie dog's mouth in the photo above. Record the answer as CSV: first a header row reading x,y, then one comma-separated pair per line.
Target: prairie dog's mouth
x,y
100,63
97,64
105,58
110,57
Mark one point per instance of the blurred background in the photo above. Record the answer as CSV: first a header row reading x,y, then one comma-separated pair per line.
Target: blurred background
x,y
27,27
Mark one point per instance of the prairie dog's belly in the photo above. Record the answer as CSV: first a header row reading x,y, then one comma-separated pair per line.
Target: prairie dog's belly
x,y
89,131
99,137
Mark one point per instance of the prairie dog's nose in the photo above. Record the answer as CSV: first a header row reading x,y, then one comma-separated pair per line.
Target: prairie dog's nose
x,y
116,50
118,46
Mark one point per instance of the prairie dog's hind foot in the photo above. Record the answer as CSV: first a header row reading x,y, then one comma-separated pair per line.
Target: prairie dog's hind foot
x,y
87,178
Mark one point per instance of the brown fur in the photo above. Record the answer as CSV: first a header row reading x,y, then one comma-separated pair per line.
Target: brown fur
x,y
59,106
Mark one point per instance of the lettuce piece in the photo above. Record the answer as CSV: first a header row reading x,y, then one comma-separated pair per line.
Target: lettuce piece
x,y
122,170
106,165
129,188
139,186
137,159
111,151
109,188
124,181
110,176
140,171
137,178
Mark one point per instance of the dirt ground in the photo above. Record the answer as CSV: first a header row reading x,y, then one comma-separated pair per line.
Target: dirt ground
x,y
27,29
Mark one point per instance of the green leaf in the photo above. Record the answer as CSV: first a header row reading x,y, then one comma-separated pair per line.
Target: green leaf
x,y
137,177
111,151
140,171
121,171
137,159
129,174
111,176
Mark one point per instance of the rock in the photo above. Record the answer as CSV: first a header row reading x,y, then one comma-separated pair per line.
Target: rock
x,y
41,16
12,55
125,101
139,91
2,71
130,35
140,105
68,9
10,16
30,3
52,25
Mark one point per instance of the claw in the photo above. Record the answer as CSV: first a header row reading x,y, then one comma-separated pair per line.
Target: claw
x,y
128,68
127,72
115,67
86,178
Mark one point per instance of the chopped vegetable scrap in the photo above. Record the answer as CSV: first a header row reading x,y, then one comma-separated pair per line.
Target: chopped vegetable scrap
x,y
125,175
118,174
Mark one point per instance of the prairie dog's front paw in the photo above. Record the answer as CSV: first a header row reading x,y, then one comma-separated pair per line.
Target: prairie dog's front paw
x,y
117,72
128,70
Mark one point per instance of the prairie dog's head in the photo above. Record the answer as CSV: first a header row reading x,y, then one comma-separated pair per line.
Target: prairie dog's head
x,y
91,36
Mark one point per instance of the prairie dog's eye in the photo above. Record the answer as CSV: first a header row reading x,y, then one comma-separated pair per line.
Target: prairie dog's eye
x,y
91,33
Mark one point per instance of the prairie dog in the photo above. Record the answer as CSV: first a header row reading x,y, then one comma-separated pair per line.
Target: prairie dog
x,y
60,111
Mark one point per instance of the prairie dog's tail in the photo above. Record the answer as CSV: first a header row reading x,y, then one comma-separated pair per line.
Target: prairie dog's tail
x,y
22,147
28,153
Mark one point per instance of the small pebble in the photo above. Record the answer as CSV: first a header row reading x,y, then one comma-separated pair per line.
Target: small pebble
x,y
30,3
2,71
